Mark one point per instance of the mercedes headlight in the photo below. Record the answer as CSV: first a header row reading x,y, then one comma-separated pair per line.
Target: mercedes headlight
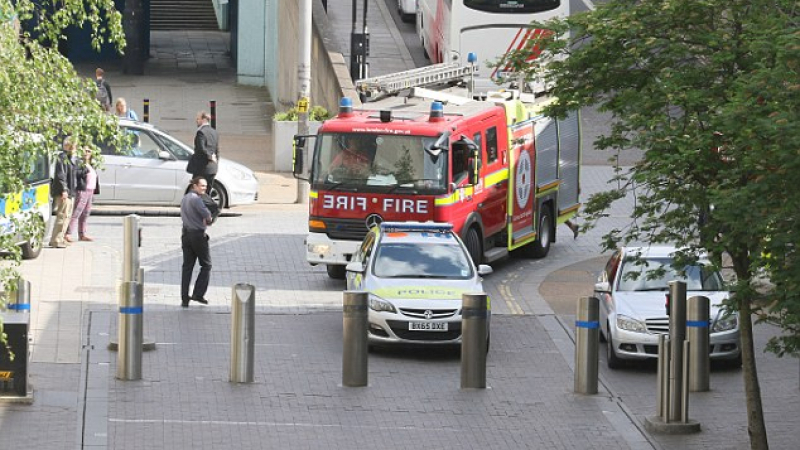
x,y
630,324
378,304
725,321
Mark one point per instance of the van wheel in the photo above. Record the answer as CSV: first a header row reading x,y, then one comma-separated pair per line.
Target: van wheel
x,y
219,195
336,272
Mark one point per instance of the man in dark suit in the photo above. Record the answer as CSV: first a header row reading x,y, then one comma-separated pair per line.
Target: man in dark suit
x,y
206,150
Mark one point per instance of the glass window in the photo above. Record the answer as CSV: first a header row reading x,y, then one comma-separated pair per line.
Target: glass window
x,y
382,162
461,155
512,6
178,150
491,144
654,274
401,260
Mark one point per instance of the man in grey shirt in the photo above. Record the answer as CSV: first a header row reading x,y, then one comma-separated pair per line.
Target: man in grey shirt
x,y
194,242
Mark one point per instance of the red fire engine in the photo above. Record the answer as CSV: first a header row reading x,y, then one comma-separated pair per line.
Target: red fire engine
x,y
503,174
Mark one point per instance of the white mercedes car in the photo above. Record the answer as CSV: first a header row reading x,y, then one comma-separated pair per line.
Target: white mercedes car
x,y
152,171
415,274
633,297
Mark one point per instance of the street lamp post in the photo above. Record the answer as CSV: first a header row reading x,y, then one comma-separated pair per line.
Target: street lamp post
x,y
359,45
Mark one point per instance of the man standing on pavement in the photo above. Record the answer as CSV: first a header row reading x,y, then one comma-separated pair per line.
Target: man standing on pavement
x,y
206,150
194,242
63,190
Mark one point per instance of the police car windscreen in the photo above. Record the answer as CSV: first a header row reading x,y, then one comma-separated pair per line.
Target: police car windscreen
x,y
422,261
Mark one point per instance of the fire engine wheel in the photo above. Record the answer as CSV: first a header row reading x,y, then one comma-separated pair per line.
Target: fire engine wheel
x,y
541,246
474,245
336,272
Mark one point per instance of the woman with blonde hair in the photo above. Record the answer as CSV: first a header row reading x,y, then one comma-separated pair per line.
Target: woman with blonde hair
x,y
122,111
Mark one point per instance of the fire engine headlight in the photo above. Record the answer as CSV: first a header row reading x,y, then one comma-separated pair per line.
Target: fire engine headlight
x,y
630,324
725,321
320,249
378,304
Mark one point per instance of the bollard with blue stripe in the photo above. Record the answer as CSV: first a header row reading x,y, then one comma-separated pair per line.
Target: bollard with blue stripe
x,y
20,301
697,333
587,335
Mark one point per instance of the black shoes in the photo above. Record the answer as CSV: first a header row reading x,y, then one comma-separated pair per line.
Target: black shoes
x,y
185,301
200,300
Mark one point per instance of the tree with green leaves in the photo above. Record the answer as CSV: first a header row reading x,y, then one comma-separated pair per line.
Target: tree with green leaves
x,y
710,92
42,98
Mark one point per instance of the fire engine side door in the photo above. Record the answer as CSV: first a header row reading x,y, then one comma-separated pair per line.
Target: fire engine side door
x,y
493,180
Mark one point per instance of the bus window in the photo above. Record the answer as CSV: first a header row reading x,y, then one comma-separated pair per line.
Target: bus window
x,y
512,6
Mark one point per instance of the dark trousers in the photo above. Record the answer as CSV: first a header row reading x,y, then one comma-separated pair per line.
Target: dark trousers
x,y
195,247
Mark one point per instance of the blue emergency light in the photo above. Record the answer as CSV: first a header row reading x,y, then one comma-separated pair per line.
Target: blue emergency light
x,y
439,227
345,107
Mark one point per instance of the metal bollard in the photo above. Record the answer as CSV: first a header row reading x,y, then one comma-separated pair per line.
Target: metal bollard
x,y
130,326
697,320
19,299
677,334
473,341
129,333
146,111
243,324
213,112
354,351
662,388
587,331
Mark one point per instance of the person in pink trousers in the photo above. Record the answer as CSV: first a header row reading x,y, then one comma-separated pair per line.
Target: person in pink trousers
x,y
88,186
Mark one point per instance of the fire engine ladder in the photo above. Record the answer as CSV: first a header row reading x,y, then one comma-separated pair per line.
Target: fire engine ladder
x,y
371,89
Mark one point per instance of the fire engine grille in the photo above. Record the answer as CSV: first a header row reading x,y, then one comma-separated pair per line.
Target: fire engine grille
x,y
347,229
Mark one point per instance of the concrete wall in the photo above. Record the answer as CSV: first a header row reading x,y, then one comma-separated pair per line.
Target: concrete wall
x,y
272,61
254,33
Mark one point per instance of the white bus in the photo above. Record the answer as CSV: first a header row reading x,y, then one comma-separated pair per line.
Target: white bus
x,y
451,29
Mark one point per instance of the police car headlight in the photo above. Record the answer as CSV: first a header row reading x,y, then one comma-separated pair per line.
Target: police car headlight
x,y
379,304
725,321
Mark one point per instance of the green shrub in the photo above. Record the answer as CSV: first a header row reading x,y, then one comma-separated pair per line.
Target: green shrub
x,y
317,114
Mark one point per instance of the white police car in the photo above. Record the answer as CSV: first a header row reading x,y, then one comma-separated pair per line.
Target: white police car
x,y
415,274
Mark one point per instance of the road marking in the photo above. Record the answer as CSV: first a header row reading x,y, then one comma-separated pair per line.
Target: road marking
x,y
281,424
508,297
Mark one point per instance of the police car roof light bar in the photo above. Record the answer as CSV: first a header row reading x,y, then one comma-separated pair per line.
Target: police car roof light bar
x,y
416,226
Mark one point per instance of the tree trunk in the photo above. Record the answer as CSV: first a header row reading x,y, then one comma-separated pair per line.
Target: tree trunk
x,y
755,411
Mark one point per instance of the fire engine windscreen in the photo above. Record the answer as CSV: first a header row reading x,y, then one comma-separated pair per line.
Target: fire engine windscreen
x,y
380,162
